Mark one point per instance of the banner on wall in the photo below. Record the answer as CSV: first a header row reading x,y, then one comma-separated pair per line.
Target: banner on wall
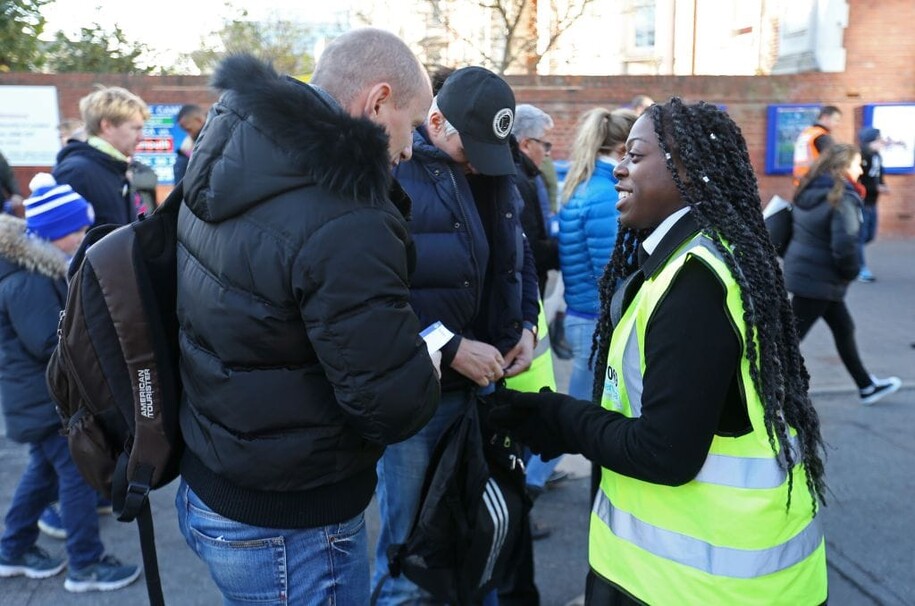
x,y
784,125
896,122
28,125
162,137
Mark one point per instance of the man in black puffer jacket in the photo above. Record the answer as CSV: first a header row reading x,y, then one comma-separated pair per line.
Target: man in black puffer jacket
x,y
301,357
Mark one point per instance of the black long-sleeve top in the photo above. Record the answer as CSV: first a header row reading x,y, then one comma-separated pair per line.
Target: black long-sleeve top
x,y
691,385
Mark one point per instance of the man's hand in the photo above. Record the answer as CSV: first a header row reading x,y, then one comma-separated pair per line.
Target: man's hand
x,y
480,362
521,355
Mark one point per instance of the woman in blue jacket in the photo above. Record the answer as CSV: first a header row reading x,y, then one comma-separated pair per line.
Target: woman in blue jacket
x,y
587,230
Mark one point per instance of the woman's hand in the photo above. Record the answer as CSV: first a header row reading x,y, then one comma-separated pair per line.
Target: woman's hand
x,y
532,417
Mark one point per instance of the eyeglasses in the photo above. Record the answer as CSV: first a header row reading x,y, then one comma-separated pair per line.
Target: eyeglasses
x,y
547,146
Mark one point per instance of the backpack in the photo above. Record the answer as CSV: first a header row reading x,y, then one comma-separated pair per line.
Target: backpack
x,y
114,374
472,514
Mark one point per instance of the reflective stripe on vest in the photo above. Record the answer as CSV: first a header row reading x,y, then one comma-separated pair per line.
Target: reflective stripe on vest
x,y
715,560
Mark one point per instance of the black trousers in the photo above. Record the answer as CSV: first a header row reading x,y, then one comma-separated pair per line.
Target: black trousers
x,y
835,313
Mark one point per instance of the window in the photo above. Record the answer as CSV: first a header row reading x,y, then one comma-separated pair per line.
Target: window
x,y
644,20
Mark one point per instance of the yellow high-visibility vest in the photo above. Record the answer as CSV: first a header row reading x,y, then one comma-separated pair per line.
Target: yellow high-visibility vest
x,y
540,374
725,537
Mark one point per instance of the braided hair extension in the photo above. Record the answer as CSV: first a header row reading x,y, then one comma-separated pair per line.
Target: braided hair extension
x,y
708,160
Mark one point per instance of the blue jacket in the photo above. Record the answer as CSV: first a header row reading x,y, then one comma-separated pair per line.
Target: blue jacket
x,y
452,282
33,290
100,179
587,235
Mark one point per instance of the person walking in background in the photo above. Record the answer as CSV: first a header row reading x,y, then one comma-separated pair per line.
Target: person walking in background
x,y
823,257
301,355
872,179
10,195
71,129
814,140
709,445
530,146
97,168
34,255
191,119
587,230
640,103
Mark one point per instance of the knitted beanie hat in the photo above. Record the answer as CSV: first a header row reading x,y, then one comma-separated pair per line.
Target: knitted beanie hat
x,y
54,211
868,134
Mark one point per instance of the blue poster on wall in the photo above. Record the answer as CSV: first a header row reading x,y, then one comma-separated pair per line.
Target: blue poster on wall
x,y
896,122
784,124
162,137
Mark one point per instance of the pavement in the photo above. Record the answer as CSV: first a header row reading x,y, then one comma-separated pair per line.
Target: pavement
x,y
871,454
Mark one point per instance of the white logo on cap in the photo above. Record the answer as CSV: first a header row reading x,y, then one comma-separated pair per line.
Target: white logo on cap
x,y
502,123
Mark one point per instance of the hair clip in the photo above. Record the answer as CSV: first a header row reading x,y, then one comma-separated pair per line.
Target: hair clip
x,y
713,137
704,178
667,155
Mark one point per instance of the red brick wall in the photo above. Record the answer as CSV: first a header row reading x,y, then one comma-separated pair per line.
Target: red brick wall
x,y
880,68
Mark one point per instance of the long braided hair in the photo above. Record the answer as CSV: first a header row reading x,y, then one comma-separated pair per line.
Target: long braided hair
x,y
707,157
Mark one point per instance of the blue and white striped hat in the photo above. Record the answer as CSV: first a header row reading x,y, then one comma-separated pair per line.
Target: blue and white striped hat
x,y
54,211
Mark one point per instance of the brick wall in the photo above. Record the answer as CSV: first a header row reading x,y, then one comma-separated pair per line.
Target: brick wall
x,y
880,68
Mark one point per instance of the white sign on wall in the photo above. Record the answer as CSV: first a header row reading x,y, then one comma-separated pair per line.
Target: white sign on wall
x,y
28,125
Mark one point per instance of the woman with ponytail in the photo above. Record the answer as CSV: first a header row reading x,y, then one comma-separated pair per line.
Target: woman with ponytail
x,y
709,447
587,230
823,257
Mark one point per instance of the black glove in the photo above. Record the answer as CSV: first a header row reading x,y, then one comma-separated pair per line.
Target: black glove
x,y
533,418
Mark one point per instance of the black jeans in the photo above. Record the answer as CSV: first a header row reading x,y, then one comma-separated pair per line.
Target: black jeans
x,y
835,313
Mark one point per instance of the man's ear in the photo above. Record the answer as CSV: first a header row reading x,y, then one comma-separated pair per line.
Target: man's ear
x,y
377,97
436,122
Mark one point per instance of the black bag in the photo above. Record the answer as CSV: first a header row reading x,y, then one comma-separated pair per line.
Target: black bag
x,y
471,516
777,216
114,374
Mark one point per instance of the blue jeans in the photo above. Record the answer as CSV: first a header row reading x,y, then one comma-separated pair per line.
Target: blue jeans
x,y
579,332
401,472
539,471
52,476
868,230
325,565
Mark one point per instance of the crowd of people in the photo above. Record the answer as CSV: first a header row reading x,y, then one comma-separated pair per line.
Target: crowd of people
x,y
325,225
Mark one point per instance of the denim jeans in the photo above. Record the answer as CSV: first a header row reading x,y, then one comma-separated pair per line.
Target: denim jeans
x,y
52,476
401,472
539,471
250,564
868,230
579,332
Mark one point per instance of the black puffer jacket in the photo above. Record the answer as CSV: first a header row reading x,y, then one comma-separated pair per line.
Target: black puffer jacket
x,y
822,257
300,353
33,290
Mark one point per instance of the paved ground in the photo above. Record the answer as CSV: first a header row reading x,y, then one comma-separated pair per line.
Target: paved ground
x,y
869,524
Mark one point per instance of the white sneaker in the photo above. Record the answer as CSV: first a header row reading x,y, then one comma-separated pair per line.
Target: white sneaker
x,y
878,389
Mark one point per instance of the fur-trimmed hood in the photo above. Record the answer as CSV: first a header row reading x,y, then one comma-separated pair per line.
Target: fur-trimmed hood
x,y
20,251
268,134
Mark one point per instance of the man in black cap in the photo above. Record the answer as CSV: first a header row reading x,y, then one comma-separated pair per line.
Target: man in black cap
x,y
474,273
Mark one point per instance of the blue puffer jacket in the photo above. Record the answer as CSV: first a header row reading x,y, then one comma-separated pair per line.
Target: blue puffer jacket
x,y
453,255
33,290
587,234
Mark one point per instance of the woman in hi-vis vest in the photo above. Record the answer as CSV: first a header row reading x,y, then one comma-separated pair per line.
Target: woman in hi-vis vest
x,y
708,443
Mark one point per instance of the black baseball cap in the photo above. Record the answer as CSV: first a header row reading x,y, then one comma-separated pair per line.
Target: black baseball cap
x,y
481,106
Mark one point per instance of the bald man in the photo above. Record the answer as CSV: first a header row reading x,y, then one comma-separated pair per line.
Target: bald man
x,y
300,354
